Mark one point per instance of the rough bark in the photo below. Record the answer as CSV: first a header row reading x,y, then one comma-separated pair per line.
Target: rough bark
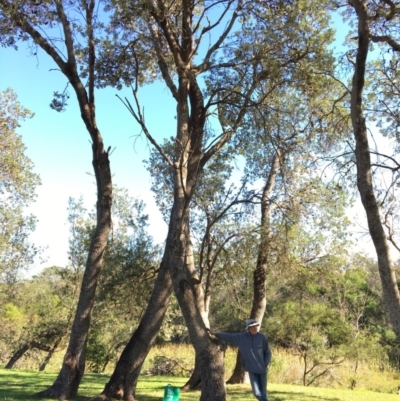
x,y
364,175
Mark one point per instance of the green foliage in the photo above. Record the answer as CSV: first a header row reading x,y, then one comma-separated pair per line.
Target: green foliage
x,y
130,264
97,355
12,313
17,191
42,309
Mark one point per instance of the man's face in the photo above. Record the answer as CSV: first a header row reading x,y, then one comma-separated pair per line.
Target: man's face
x,y
253,330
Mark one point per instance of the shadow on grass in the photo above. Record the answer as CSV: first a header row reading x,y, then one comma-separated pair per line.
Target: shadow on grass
x,y
15,385
21,385
293,395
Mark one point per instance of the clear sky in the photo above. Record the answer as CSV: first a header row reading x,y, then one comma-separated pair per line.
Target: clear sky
x,y
59,145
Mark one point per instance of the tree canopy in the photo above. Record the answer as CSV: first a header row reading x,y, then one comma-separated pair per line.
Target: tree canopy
x,y
18,182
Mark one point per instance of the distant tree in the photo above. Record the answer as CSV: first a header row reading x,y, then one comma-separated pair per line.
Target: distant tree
x,y
17,191
39,317
127,276
292,131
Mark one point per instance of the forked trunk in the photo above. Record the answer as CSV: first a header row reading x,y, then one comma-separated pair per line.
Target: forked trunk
x,y
187,289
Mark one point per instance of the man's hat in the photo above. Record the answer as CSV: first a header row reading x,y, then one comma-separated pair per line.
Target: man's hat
x,y
250,323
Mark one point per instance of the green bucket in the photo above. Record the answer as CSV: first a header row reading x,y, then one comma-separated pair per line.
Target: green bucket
x,y
171,393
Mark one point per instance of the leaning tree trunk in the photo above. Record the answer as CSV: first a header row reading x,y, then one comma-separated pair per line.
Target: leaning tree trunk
x,y
73,366
260,273
67,383
22,350
17,355
364,176
69,378
126,373
50,354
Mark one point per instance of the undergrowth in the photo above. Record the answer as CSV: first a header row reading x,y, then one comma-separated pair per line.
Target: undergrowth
x,y
176,360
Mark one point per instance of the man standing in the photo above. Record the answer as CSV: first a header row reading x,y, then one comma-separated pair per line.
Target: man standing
x,y
255,354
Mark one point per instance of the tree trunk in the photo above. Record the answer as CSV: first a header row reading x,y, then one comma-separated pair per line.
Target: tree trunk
x,y
187,290
238,374
194,381
50,354
17,355
260,273
126,373
364,176
67,383
21,351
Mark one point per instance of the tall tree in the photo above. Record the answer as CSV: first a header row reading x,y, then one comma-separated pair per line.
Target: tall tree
x,y
77,24
376,22
170,41
291,130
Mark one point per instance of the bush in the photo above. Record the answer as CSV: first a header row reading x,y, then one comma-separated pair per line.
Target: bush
x,y
165,366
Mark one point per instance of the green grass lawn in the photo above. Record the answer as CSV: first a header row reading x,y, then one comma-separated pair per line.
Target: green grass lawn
x,y
21,385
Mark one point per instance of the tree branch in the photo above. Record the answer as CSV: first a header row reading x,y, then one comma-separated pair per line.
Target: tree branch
x,y
140,120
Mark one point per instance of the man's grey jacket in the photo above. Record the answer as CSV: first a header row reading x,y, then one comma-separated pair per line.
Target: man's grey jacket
x,y
254,350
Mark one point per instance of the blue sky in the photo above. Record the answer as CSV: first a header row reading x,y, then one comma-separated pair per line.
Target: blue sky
x,y
59,145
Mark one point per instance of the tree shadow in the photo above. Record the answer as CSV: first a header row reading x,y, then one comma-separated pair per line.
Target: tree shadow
x,y
298,396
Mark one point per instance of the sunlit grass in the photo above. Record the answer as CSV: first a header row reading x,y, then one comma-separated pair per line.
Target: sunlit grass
x,y
21,385
284,375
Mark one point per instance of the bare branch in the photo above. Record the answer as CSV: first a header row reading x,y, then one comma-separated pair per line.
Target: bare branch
x,y
205,64
138,116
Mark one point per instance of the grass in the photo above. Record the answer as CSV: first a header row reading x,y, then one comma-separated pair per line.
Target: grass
x,y
21,385
373,382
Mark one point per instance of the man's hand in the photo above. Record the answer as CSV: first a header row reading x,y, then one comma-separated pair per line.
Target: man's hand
x,y
211,331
